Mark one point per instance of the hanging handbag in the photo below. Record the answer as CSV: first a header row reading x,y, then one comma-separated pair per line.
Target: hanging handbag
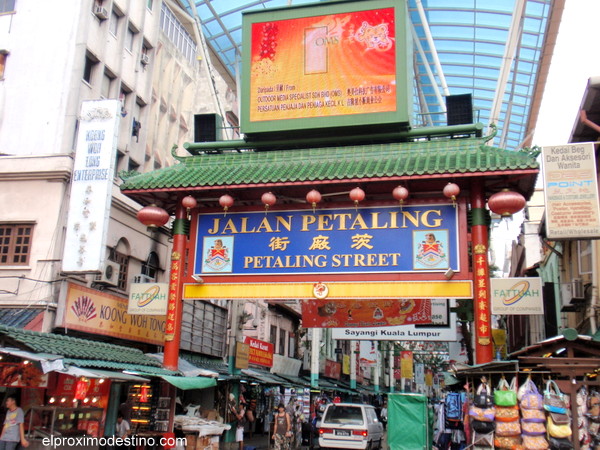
x,y
560,419
535,442
533,415
507,413
531,398
483,427
533,428
507,442
558,431
560,444
553,399
482,397
482,414
508,428
505,394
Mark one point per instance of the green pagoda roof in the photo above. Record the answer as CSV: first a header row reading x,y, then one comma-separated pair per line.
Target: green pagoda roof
x,y
405,159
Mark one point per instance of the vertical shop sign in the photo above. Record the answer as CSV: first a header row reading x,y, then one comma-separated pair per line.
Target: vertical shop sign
x,y
406,364
482,290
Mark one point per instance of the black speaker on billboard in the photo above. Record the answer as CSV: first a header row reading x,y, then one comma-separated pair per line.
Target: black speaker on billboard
x,y
459,109
207,127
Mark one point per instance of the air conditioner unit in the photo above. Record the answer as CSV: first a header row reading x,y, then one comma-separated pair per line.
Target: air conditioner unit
x,y
572,294
101,13
109,274
141,278
144,59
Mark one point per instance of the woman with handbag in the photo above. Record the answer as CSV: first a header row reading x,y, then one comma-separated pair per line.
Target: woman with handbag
x,y
282,431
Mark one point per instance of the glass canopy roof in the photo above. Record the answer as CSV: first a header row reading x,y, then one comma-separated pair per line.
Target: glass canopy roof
x,y
490,49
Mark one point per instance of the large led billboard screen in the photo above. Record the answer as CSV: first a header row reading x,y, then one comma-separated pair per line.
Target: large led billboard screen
x,y
328,65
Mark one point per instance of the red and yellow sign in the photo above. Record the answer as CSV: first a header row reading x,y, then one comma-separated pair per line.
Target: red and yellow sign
x,y
333,369
365,313
406,364
97,312
260,353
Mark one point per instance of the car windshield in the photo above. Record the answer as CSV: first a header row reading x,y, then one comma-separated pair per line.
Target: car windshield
x,y
351,415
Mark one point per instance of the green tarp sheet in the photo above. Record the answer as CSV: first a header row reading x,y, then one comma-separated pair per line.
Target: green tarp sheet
x,y
186,383
409,422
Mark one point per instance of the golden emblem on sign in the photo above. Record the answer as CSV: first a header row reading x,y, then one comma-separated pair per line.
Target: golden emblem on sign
x,y
484,341
320,291
175,256
479,249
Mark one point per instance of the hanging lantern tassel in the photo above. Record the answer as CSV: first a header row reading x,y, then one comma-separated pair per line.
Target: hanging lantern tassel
x,y
313,197
357,195
506,202
188,202
268,199
400,193
226,201
451,190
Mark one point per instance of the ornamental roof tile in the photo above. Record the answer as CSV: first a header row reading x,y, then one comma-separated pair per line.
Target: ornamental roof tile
x,y
398,159
103,354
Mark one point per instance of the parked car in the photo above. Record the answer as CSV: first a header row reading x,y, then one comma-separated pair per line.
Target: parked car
x,y
350,426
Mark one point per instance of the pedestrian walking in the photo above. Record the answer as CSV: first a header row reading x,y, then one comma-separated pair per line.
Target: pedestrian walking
x,y
282,432
13,431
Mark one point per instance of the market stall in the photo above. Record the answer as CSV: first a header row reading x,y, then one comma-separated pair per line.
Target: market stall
x,y
563,369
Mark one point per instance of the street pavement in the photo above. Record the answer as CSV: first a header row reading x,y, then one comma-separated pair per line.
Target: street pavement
x,y
260,442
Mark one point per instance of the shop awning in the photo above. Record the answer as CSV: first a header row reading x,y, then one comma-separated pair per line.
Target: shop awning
x,y
187,383
187,368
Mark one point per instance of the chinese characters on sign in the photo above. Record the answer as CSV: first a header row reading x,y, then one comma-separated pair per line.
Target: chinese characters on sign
x,y
376,240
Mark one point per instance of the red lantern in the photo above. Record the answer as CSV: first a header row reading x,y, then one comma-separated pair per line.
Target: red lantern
x,y
226,201
188,202
400,193
152,216
313,197
357,195
506,202
451,190
81,388
268,199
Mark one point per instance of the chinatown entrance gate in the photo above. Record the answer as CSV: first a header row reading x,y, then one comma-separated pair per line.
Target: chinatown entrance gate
x,y
332,195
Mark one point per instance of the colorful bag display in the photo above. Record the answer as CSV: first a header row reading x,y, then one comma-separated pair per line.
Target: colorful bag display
x,y
507,442
485,440
535,443
531,398
482,397
508,428
482,414
533,415
558,430
553,398
560,419
533,428
505,394
482,427
507,413
560,444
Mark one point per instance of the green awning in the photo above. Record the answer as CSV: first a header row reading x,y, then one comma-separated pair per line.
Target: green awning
x,y
187,383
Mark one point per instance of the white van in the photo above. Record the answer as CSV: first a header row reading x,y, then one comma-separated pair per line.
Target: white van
x,y
350,426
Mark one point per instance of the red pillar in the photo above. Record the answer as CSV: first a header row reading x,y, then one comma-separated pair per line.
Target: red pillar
x,y
484,349
175,305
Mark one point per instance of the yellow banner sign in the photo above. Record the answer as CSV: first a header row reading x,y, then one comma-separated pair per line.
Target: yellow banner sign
x,y
97,312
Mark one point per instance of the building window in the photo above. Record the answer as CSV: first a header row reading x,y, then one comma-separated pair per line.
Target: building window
x,y
88,69
129,39
149,4
177,33
292,346
3,58
584,251
15,244
123,261
273,336
107,85
204,328
7,6
114,23
151,265
282,342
